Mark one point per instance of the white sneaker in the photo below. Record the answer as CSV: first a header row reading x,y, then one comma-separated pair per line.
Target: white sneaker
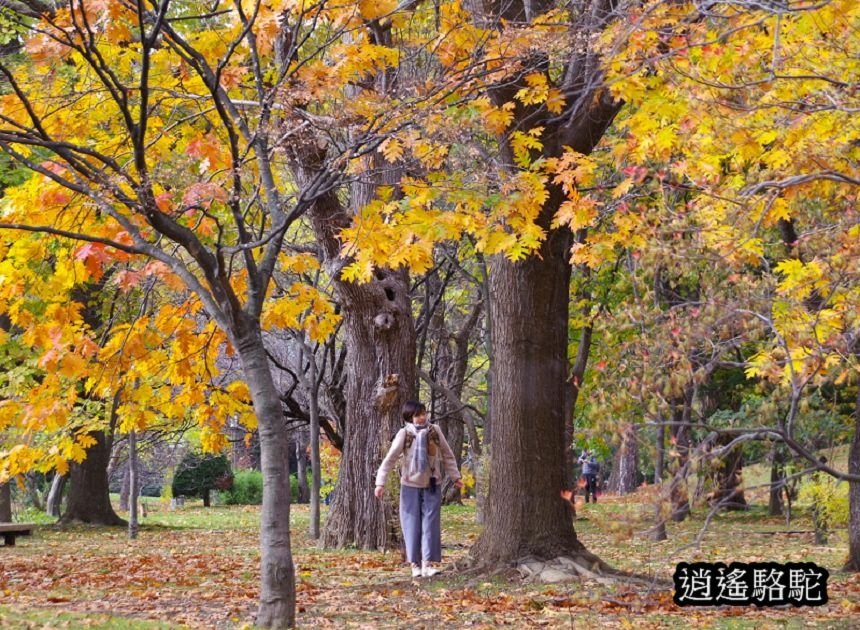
x,y
427,570
416,571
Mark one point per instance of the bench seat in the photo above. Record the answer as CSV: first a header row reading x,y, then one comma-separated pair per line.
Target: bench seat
x,y
9,531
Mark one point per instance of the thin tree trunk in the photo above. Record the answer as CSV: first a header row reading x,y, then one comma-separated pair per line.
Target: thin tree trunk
x,y
853,563
577,376
777,480
625,464
5,503
55,495
277,592
316,474
679,494
658,532
302,469
132,484
125,488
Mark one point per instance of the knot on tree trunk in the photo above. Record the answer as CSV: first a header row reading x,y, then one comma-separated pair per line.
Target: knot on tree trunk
x,y
387,389
384,321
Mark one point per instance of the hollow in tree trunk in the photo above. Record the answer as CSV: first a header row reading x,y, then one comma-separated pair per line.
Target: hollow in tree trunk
x,y
88,500
379,334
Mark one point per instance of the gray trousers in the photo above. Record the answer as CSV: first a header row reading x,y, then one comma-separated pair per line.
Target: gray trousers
x,y
420,520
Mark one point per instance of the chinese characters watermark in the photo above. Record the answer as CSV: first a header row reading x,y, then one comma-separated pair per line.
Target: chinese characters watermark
x,y
741,584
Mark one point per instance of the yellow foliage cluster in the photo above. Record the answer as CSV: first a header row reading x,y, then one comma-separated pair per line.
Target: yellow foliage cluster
x,y
753,114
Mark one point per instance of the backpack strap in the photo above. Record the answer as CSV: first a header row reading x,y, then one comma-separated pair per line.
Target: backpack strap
x,y
409,438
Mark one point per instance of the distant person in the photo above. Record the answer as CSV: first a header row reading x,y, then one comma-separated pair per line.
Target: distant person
x,y
590,470
424,452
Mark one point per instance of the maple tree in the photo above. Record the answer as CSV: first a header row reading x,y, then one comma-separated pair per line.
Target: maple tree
x,y
149,130
740,132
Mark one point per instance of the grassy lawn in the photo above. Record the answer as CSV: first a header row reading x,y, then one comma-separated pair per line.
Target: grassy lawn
x,y
196,567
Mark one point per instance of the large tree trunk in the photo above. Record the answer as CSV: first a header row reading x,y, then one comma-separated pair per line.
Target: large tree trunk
x,y
5,503
278,593
853,563
529,325
88,500
625,465
379,334
529,330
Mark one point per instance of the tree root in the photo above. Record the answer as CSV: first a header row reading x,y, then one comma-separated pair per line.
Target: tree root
x,y
579,565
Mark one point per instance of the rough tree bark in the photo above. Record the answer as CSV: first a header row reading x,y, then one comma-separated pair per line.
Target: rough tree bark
x,y
88,500
379,336
529,303
380,340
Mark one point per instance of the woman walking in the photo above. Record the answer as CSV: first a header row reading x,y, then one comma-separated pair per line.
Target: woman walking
x,y
425,451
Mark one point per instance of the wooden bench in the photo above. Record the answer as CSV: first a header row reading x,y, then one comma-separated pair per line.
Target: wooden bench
x,y
10,530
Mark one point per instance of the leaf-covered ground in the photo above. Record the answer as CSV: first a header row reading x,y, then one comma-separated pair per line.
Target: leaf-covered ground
x,y
197,568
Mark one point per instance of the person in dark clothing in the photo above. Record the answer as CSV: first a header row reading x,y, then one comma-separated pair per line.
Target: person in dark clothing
x,y
590,470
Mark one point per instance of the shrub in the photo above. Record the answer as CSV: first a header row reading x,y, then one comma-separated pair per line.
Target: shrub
x,y
247,488
199,474
829,499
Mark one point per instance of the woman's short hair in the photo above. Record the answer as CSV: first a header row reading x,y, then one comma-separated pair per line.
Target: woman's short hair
x,y
412,408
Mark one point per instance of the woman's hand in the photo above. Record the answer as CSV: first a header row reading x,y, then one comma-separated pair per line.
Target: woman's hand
x,y
458,484
378,492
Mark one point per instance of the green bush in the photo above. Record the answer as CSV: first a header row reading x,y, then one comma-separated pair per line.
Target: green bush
x,y
198,474
247,488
